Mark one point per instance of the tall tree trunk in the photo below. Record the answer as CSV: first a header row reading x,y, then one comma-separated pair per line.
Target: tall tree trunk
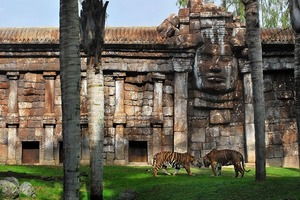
x,y
92,23
294,6
297,86
95,84
255,58
70,86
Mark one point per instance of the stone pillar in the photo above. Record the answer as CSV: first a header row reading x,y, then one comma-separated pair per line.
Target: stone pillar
x,y
249,118
12,120
181,68
119,119
157,114
85,150
49,120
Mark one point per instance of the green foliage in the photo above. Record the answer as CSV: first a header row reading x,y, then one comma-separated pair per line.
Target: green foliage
x,y
274,13
281,183
236,6
182,3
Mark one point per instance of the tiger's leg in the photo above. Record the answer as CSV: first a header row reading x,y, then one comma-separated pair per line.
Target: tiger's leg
x,y
155,169
177,168
164,169
236,169
213,168
188,170
218,169
241,170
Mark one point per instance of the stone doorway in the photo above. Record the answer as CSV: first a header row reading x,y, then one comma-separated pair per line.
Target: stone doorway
x,y
30,152
138,151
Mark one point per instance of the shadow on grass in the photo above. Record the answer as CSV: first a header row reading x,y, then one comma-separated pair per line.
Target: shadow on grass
x,y
202,186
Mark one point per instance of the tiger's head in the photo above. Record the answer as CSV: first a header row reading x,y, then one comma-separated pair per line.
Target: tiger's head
x,y
206,161
195,162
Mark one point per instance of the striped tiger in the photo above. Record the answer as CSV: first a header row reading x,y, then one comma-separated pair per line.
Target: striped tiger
x,y
173,159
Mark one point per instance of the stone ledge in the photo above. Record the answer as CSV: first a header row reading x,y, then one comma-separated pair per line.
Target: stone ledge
x,y
120,118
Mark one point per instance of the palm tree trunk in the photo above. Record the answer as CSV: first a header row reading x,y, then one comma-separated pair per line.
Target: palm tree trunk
x,y
255,58
70,86
95,84
294,6
297,86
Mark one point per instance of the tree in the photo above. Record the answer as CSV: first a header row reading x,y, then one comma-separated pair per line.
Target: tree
x,y
275,13
182,3
92,25
295,21
255,58
70,86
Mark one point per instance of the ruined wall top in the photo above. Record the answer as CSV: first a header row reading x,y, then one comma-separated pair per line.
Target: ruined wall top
x,y
178,30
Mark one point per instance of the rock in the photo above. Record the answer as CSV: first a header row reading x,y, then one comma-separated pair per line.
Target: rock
x,y
27,189
128,195
13,180
9,190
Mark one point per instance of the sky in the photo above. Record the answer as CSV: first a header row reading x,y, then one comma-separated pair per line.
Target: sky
x,y
45,13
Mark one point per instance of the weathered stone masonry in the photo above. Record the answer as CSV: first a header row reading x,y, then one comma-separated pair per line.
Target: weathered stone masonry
x,y
183,86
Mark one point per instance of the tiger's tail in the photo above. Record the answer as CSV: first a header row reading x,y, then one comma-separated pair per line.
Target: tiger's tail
x,y
243,164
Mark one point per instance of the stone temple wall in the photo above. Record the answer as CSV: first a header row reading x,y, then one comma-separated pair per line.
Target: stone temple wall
x,y
184,86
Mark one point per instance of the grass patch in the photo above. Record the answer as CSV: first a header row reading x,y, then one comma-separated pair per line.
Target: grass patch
x,y
281,184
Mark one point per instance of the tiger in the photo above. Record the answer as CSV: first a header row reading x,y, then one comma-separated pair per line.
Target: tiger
x,y
175,160
218,158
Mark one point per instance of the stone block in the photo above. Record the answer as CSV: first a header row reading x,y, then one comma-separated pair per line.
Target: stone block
x,y
225,132
39,132
167,148
199,123
274,162
195,25
110,132
236,140
180,142
209,146
289,136
168,89
108,148
108,141
223,141
213,132
131,87
167,140
129,110
198,134
147,110
168,100
291,161
3,153
4,85
131,95
290,149
34,124
196,146
110,158
148,87
148,95
168,122
167,131
137,110
168,111
220,117
128,102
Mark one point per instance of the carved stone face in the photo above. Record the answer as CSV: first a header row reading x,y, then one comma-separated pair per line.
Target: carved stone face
x,y
215,69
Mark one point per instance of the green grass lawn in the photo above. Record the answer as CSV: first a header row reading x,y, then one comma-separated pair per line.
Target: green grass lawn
x,y
281,184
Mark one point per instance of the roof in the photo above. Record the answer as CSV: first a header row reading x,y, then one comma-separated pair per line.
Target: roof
x,y
120,35
113,35
277,36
